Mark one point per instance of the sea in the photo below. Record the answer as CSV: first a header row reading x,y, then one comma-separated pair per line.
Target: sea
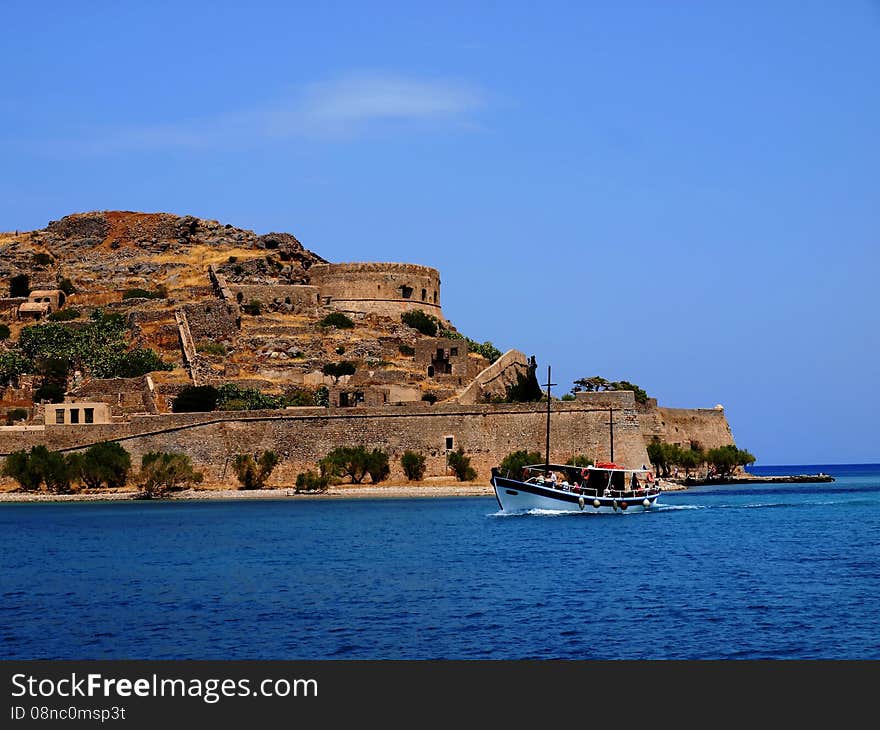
x,y
776,571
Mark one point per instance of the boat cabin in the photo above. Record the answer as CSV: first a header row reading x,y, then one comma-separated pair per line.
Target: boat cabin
x,y
603,479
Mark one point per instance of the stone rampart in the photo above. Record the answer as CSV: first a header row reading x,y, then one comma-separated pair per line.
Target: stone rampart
x,y
708,427
302,436
495,379
290,298
386,289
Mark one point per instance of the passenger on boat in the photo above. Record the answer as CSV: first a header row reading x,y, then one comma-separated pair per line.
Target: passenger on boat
x,y
551,478
635,482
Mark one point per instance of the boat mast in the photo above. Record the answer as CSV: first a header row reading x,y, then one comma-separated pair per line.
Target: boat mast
x,y
549,385
611,431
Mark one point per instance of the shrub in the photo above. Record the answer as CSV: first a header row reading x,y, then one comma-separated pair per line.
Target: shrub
x,y
413,465
299,397
163,472
407,350
196,399
232,397
347,461
512,464
130,364
209,347
311,482
322,397
4,332
31,469
16,414
253,473
105,464
337,369
254,307
338,320
377,466
51,392
12,364
726,458
42,259
461,465
66,285
20,467
418,320
64,315
568,397
19,286
580,460
486,349
138,294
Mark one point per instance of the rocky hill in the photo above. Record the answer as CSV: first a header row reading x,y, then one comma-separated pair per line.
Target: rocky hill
x,y
220,304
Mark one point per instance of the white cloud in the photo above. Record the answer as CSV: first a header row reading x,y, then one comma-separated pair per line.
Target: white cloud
x,y
345,106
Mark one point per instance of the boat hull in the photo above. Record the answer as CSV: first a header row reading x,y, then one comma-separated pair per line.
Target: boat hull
x,y
516,496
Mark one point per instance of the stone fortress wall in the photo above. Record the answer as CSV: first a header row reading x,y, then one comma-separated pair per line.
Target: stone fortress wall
x,y
387,289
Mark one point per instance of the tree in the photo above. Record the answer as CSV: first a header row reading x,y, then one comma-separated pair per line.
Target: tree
x,y
726,458
19,286
640,395
196,399
418,320
105,464
56,471
658,454
66,285
163,472
593,384
311,482
337,369
377,466
461,465
512,465
20,467
413,465
338,320
486,349
253,473
13,364
350,461
51,392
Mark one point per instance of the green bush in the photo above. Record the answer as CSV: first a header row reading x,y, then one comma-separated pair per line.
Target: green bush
x,y
568,397
105,464
311,482
413,465
232,397
13,364
407,350
726,458
16,414
486,349
130,364
19,286
31,469
64,315
338,320
299,397
209,347
377,466
253,473
163,472
4,332
143,294
66,285
461,465
254,307
196,399
417,319
581,460
512,464
322,396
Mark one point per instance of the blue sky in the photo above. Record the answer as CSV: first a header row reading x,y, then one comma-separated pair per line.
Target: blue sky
x,y
681,194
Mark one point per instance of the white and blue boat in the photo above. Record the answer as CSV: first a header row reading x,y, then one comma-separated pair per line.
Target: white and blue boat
x,y
606,488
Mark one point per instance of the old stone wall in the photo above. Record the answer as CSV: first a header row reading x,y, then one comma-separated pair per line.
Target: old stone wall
x,y
486,432
125,396
212,319
708,427
386,289
494,380
290,298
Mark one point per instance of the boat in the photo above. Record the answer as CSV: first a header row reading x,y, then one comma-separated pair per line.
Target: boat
x,y
603,488
606,488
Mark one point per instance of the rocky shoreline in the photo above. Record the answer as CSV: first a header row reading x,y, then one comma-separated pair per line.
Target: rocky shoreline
x,y
781,479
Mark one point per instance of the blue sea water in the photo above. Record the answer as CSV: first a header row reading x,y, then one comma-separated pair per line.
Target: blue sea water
x,y
775,571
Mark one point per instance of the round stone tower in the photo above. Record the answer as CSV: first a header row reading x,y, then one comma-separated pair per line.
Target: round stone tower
x,y
378,288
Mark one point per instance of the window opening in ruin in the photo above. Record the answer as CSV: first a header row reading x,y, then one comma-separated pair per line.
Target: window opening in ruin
x,y
89,415
343,400
435,297
406,291
430,371
74,415
450,442
424,295
453,352
59,416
